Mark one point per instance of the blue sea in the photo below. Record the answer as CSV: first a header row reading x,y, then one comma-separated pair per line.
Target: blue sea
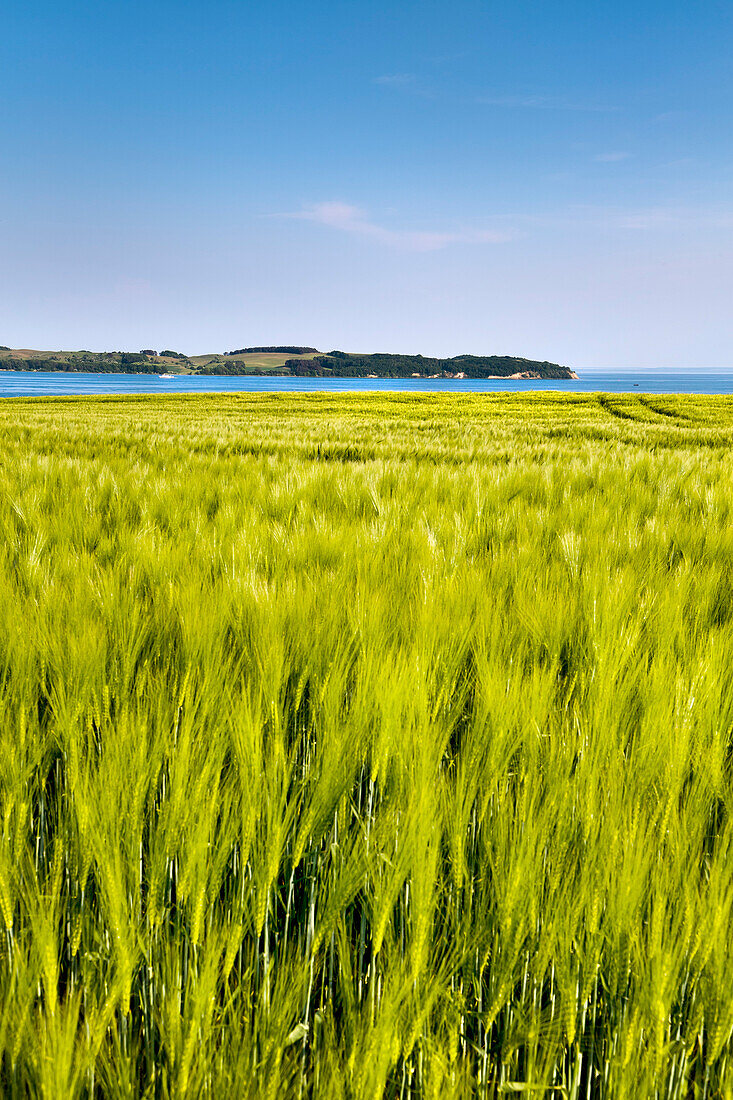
x,y
61,384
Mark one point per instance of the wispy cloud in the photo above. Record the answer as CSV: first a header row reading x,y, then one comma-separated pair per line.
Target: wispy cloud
x,y
611,158
354,220
668,217
412,84
680,162
405,83
647,219
540,103
673,116
395,80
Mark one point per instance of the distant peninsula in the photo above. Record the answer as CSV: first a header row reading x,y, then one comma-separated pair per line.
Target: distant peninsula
x,y
285,360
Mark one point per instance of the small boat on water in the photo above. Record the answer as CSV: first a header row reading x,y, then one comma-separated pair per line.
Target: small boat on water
x,y
166,376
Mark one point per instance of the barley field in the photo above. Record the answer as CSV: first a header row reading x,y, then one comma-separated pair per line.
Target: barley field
x,y
362,746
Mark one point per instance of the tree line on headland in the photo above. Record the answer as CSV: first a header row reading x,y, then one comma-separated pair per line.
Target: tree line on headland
x,y
303,362
341,364
115,362
288,349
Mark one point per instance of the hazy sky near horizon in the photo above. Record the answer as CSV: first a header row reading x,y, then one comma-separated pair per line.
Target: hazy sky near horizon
x,y
551,179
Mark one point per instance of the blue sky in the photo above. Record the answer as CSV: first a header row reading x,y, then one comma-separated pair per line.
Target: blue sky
x,y
550,179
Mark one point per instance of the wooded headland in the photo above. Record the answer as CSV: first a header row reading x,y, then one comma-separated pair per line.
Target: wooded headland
x,y
284,360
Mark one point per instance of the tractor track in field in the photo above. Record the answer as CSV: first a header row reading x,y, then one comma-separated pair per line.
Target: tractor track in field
x,y
681,418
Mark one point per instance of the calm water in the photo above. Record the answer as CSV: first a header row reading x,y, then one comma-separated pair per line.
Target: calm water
x,y
38,384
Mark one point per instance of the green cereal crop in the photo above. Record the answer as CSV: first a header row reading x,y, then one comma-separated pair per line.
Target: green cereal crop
x,y
359,746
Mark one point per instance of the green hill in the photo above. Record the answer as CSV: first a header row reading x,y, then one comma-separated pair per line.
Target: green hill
x,y
309,363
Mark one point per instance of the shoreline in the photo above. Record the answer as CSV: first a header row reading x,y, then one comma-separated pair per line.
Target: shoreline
x,y
525,376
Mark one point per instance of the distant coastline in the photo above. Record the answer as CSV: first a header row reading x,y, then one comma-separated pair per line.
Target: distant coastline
x,y
285,361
